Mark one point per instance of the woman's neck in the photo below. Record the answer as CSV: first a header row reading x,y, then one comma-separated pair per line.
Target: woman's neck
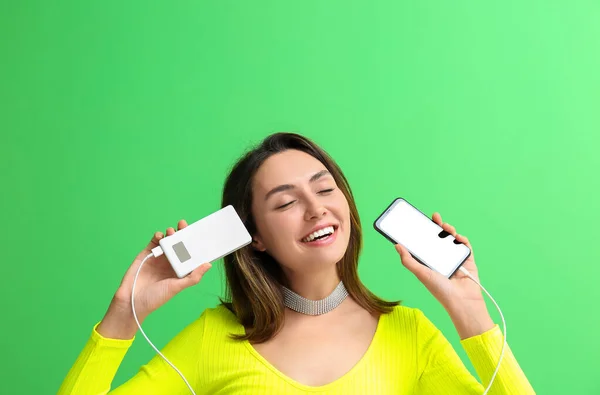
x,y
313,286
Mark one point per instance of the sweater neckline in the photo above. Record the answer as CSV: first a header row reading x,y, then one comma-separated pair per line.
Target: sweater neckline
x,y
346,376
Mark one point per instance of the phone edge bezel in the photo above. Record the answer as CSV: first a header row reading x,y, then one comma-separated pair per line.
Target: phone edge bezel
x,y
380,231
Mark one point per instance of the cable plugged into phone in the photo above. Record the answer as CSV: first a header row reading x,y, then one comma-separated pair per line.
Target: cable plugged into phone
x,y
403,223
468,274
157,251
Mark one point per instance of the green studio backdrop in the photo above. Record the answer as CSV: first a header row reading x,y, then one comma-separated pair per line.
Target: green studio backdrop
x,y
118,119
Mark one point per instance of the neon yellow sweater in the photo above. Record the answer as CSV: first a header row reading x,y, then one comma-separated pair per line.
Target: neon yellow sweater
x,y
408,355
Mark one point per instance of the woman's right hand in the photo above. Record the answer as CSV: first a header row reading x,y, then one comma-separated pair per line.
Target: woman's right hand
x,y
156,284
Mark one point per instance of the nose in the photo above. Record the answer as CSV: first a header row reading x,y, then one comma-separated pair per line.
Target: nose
x,y
314,209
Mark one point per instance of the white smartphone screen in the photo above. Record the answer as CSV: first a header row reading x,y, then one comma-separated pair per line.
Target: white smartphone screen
x,y
404,224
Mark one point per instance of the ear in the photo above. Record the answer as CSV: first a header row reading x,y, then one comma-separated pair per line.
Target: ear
x,y
258,244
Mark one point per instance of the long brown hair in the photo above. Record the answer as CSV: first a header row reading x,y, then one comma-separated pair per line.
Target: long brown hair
x,y
254,278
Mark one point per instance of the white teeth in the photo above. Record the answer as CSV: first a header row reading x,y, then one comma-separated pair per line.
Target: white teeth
x,y
321,232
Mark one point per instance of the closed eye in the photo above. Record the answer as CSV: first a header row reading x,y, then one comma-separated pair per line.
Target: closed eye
x,y
323,191
285,205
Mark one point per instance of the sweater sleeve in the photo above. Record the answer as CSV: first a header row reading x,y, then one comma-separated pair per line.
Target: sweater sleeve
x,y
98,362
441,370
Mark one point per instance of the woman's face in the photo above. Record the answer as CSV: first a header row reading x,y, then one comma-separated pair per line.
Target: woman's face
x,y
294,194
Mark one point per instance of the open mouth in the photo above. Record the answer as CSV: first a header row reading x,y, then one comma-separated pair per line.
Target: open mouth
x,y
321,235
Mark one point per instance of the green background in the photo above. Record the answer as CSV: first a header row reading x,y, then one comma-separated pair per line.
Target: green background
x,y
120,118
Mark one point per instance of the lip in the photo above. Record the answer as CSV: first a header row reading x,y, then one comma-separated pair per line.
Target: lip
x,y
325,242
319,227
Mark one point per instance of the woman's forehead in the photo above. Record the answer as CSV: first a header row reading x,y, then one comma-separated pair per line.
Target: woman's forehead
x,y
288,167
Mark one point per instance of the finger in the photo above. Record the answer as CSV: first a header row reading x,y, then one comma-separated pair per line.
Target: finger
x,y
170,231
194,277
449,228
181,224
421,271
463,239
437,218
154,241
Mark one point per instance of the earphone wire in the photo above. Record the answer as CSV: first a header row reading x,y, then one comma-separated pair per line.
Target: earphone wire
x,y
465,271
140,326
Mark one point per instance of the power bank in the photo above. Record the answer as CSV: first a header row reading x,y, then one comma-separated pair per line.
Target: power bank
x,y
205,240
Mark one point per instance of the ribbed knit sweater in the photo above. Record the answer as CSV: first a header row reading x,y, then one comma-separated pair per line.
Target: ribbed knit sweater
x,y
408,355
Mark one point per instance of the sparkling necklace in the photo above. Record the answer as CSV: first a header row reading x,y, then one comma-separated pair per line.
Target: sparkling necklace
x,y
314,307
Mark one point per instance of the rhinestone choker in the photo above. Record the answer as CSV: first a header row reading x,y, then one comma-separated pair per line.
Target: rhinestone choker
x,y
314,307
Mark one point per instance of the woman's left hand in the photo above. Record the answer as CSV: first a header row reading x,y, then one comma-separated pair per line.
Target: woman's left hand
x,y
457,292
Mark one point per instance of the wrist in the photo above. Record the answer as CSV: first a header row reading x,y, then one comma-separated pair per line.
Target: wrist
x,y
471,320
118,322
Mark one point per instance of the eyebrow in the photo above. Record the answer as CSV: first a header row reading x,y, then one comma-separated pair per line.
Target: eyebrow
x,y
286,187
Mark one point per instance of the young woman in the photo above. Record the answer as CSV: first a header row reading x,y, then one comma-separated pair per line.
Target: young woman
x,y
297,319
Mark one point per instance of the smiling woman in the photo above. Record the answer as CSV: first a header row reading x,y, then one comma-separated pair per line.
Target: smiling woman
x,y
296,319
286,189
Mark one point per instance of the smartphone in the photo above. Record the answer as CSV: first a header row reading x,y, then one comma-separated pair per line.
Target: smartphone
x,y
402,223
205,240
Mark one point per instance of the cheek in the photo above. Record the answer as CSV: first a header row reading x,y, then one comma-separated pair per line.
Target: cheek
x,y
280,225
344,207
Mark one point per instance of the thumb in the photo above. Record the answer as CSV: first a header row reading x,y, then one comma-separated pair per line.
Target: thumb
x,y
421,271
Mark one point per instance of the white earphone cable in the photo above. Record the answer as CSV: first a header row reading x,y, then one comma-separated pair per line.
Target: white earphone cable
x,y
465,271
155,253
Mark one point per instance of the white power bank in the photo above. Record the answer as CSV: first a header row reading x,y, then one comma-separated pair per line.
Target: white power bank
x,y
206,240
